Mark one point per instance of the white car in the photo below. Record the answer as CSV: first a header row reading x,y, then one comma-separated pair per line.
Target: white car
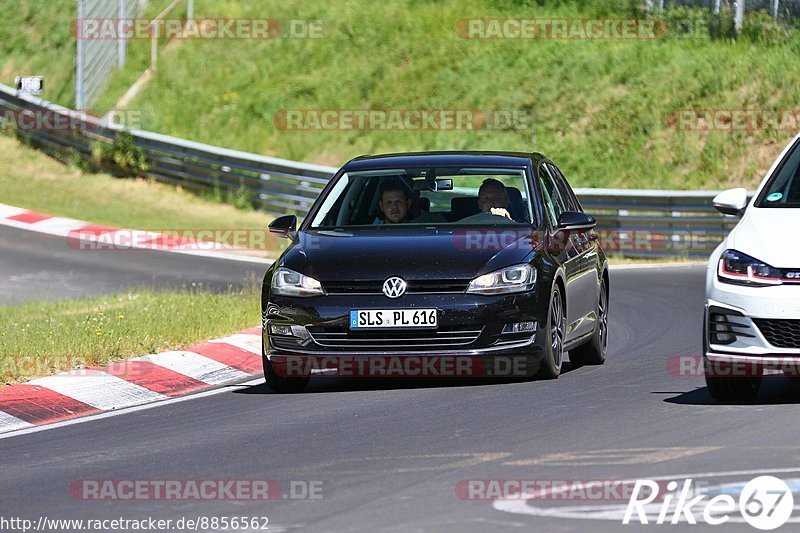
x,y
752,311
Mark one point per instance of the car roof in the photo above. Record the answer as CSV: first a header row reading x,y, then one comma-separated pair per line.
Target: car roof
x,y
449,158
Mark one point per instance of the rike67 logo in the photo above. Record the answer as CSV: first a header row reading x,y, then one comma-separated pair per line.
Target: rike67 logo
x,y
766,503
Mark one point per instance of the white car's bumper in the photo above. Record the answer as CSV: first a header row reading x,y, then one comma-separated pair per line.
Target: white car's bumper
x,y
761,324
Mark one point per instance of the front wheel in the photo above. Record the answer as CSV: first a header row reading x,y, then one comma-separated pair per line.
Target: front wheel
x,y
724,386
279,382
556,326
594,351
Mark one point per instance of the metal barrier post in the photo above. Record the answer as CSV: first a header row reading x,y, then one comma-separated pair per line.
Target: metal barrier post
x,y
80,97
122,42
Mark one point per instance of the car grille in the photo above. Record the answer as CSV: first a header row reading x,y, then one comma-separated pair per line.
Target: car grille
x,y
436,286
394,340
780,333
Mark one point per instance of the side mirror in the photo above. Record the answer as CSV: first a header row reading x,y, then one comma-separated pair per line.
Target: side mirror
x,y
731,202
284,226
575,221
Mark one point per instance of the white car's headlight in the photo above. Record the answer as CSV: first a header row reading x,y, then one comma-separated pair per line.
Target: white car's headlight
x,y
741,269
286,282
517,278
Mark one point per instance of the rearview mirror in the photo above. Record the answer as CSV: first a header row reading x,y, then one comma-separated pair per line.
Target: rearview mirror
x,y
731,202
576,220
434,185
284,226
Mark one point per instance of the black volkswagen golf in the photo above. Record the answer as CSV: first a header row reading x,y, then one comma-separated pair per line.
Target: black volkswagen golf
x,y
451,256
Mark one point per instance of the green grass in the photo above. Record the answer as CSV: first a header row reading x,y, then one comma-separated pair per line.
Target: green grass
x,y
35,39
32,180
41,338
599,108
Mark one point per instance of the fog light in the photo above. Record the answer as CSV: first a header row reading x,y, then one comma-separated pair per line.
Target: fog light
x,y
520,327
719,330
300,332
280,329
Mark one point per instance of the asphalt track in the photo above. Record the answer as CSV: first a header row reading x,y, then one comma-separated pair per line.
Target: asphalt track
x,y
390,454
35,266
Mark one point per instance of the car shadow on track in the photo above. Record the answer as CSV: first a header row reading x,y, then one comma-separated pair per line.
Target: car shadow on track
x,y
775,390
323,384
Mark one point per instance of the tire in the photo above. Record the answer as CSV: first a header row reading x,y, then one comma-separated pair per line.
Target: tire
x,y
791,374
724,388
792,371
556,326
594,352
282,384
728,389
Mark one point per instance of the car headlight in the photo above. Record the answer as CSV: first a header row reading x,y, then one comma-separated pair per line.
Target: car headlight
x,y
286,282
517,278
741,269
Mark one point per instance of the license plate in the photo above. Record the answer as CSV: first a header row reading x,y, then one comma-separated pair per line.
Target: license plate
x,y
393,318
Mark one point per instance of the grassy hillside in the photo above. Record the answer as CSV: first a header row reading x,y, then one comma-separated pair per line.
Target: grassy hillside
x,y
599,108
35,39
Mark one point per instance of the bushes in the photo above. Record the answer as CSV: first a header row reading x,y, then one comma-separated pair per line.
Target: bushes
x,y
686,22
682,22
122,153
761,28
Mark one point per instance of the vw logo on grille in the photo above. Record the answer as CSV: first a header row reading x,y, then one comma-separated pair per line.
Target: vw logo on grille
x,y
394,287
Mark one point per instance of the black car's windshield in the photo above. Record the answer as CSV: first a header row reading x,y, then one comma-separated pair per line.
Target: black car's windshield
x,y
783,190
449,196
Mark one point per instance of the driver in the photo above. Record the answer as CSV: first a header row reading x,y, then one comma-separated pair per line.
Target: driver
x,y
493,198
493,202
395,204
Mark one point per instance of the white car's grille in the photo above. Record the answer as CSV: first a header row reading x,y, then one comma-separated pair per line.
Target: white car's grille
x,y
780,333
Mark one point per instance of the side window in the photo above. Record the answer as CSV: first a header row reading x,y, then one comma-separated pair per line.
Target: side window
x,y
553,203
570,200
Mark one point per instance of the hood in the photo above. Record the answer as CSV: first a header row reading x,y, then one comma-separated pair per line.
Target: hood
x,y
413,254
770,235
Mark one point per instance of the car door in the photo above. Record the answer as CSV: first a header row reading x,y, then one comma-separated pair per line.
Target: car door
x,y
587,248
561,246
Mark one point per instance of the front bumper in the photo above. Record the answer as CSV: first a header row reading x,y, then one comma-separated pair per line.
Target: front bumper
x,y
468,325
754,316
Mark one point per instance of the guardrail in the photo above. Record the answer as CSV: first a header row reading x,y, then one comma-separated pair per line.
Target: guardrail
x,y
634,223
654,223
